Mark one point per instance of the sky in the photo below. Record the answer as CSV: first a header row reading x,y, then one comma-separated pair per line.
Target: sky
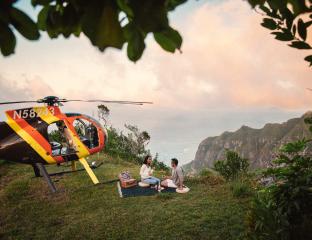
x,y
231,72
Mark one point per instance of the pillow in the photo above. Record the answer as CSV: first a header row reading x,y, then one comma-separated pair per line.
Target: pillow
x,y
184,190
143,184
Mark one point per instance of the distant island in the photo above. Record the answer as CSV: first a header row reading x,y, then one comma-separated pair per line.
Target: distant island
x,y
258,145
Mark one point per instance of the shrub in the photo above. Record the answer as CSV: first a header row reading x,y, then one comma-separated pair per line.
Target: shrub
x,y
206,172
263,221
284,209
232,166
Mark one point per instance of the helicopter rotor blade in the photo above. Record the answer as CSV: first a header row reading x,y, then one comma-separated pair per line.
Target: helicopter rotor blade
x,y
15,102
52,100
107,101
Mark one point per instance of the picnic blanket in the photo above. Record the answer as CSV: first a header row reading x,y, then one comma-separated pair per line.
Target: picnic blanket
x,y
136,191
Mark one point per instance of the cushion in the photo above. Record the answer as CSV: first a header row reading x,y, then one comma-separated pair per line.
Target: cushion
x,y
143,184
184,190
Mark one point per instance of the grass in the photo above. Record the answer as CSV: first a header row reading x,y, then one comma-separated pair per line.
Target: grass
x,y
240,188
82,211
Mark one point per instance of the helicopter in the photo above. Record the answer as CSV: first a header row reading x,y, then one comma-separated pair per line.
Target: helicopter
x,y
43,135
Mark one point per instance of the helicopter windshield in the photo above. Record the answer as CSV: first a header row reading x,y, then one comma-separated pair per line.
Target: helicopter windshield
x,y
87,132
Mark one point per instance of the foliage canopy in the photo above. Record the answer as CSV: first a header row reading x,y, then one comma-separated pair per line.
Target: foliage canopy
x,y
289,21
114,23
109,23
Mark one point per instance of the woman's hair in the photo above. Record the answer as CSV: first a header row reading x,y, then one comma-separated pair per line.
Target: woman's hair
x,y
146,158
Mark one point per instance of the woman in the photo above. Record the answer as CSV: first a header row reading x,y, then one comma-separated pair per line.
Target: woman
x,y
146,173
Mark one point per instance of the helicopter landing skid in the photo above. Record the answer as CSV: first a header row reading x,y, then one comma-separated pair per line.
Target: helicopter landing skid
x,y
46,176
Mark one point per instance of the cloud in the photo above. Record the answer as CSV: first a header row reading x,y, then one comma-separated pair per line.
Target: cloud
x,y
23,89
226,48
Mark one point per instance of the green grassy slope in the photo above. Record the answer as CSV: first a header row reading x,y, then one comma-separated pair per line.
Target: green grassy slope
x,y
82,211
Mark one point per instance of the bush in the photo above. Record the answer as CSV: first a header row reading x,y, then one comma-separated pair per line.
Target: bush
x,y
206,172
232,167
263,221
283,210
241,188
131,147
160,166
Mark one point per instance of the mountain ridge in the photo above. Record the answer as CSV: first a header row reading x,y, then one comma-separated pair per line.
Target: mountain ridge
x,y
259,145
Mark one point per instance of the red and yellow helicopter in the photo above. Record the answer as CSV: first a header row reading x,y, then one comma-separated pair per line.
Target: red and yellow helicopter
x,y
44,135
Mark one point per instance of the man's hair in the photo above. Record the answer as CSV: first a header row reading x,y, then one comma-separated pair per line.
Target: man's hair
x,y
175,161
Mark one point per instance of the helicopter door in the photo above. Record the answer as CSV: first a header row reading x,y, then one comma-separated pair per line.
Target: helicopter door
x,y
87,132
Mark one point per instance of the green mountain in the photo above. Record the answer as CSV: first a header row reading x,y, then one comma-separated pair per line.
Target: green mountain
x,y
258,145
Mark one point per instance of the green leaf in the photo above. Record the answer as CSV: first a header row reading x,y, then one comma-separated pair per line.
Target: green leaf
x,y
308,24
4,14
151,15
298,7
100,24
7,40
283,36
269,23
24,24
70,21
277,4
54,22
300,45
135,39
42,18
265,9
169,39
294,29
302,29
309,59
254,3
288,16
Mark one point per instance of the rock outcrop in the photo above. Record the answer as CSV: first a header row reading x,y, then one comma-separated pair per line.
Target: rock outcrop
x,y
258,145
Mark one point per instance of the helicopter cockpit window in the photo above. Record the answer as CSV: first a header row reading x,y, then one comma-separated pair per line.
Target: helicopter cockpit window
x,y
60,139
87,133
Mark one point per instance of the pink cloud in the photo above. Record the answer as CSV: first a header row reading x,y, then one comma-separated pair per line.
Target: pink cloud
x,y
226,48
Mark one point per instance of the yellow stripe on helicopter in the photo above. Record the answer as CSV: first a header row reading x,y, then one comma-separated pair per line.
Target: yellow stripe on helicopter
x,y
30,140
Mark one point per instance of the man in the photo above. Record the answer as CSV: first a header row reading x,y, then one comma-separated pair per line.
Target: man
x,y
177,178
67,135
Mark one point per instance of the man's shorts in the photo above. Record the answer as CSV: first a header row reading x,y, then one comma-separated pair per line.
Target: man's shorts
x,y
170,183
